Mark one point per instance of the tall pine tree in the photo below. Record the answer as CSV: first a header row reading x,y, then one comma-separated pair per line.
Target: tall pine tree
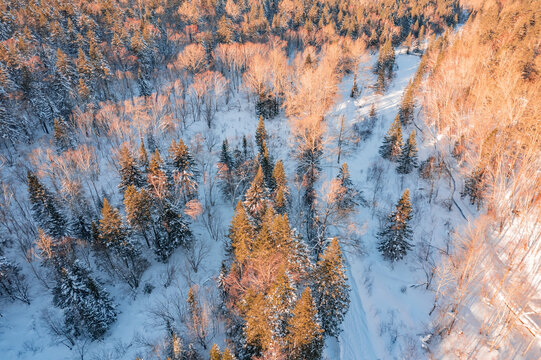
x,y
396,233
305,340
392,142
331,289
408,156
45,209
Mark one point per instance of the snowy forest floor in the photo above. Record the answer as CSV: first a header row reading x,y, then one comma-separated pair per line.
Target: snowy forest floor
x,y
389,310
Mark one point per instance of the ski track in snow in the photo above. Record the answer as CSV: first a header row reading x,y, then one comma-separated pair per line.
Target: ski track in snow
x,y
362,336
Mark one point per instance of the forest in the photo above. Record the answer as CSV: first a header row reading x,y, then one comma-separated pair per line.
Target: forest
x,y
277,179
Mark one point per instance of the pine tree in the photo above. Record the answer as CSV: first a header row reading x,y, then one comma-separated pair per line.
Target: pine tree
x,y
261,136
181,158
44,208
348,197
61,137
111,230
138,210
183,170
240,234
392,142
255,199
331,289
257,329
174,232
143,156
119,255
408,156
215,353
227,355
407,107
87,306
129,172
305,340
396,233
281,299
268,168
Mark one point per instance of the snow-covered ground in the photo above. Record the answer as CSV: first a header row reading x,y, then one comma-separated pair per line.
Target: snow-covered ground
x,y
389,308
389,311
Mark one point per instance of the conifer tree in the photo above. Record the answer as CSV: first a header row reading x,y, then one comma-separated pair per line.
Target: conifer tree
x,y
240,234
143,156
407,106
111,229
138,210
227,355
305,340
392,142
281,299
87,306
120,256
408,156
331,289
255,199
347,197
183,170
281,193
129,172
268,168
62,139
257,328
396,233
215,353
174,231
261,136
181,158
44,208
226,168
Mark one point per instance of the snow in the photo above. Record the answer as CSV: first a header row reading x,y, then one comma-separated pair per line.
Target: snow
x,y
388,316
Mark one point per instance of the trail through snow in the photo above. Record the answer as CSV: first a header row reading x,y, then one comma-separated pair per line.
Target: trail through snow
x,y
380,319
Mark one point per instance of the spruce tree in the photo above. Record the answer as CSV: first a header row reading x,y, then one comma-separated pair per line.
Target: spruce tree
x,y
281,299
87,306
227,355
129,172
240,234
215,353
392,142
268,168
347,197
142,157
331,289
62,139
396,233
407,107
408,156
120,255
305,340
44,208
138,206
261,136
174,231
255,199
